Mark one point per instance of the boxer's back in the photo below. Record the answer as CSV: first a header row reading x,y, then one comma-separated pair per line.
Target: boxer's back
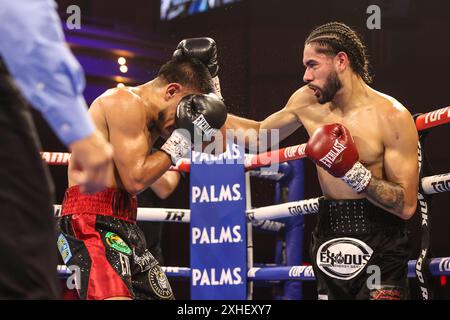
x,y
110,108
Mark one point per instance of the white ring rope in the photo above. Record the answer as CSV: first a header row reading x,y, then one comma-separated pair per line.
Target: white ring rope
x,y
431,185
283,210
436,184
182,216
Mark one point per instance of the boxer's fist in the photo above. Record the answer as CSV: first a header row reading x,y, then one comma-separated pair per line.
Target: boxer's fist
x,y
204,49
202,115
332,148
198,117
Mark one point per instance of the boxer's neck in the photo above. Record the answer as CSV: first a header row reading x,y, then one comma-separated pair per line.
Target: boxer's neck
x,y
150,98
353,93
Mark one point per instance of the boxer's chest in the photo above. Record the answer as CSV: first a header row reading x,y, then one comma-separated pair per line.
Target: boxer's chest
x,y
364,127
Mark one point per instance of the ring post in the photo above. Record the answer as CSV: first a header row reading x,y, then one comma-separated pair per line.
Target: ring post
x,y
248,197
294,228
218,227
424,278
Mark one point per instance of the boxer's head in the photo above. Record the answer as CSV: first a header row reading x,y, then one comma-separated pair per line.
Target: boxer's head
x,y
177,78
331,52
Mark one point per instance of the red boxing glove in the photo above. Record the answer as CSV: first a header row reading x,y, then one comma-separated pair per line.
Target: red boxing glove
x,y
332,148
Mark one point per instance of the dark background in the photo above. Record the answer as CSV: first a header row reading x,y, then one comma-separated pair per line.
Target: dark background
x,y
260,46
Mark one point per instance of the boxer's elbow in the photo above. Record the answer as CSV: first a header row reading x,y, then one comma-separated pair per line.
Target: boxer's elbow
x,y
410,203
134,183
163,193
134,187
408,210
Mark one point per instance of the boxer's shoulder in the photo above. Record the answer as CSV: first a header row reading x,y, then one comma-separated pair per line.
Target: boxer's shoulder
x,y
387,105
119,103
390,109
393,117
303,98
119,97
304,104
301,102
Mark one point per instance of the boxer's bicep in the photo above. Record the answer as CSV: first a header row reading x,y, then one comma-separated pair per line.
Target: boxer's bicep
x,y
401,156
127,133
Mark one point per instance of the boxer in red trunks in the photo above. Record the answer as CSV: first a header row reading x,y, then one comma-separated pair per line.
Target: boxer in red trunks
x,y
98,232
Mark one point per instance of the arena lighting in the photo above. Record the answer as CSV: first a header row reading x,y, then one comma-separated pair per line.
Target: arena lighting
x,y
121,61
120,85
123,69
171,9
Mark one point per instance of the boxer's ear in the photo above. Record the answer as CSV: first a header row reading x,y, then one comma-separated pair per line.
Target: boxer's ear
x,y
172,90
341,61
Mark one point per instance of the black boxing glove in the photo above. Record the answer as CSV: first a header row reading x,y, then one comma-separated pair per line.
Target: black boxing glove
x,y
202,115
205,50
197,117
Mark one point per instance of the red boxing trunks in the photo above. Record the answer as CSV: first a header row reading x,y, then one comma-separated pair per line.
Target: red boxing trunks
x,y
98,235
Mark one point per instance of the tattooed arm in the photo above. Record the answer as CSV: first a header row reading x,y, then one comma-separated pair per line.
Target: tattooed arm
x,y
387,195
397,192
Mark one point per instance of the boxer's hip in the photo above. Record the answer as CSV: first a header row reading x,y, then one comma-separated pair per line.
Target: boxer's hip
x,y
352,240
110,202
359,226
355,217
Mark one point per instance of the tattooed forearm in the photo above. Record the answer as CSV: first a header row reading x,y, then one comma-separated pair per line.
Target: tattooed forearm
x,y
387,195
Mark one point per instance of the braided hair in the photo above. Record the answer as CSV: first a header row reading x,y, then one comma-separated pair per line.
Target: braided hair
x,y
335,37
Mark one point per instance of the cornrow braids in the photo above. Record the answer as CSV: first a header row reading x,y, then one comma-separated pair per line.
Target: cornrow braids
x,y
335,37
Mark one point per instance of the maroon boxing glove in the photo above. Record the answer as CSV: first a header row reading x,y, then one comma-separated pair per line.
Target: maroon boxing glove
x,y
332,148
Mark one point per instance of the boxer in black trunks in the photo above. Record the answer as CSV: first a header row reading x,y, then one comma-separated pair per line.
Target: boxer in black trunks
x,y
364,144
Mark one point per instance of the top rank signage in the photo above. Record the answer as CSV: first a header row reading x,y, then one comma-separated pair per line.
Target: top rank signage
x,y
218,228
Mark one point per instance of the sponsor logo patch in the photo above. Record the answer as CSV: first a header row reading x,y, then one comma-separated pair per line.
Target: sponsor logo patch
x,y
116,242
159,283
145,261
125,265
64,249
343,258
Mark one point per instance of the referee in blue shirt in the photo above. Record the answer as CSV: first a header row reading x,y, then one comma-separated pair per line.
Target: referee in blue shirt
x,y
36,67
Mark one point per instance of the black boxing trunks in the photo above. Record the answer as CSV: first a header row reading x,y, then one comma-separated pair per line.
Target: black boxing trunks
x,y
99,236
359,251
27,227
